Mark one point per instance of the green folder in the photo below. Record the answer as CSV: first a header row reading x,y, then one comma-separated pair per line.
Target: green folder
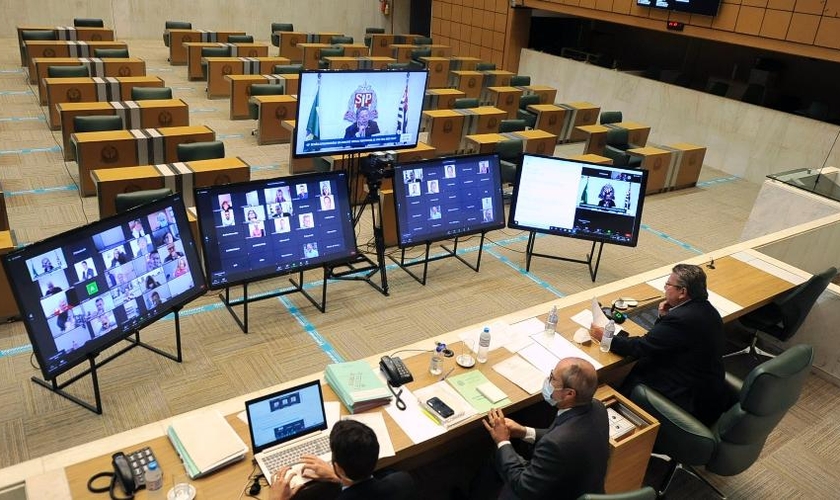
x,y
466,385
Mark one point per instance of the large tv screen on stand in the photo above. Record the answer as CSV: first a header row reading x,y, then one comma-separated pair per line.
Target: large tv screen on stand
x,y
345,112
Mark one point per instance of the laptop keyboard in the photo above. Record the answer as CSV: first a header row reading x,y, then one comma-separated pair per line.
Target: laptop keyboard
x,y
288,456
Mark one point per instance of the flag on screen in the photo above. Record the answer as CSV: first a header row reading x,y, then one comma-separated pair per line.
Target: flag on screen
x,y
402,112
313,127
627,198
583,195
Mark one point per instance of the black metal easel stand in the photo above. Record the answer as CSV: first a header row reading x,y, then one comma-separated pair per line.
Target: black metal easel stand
x,y
58,388
593,272
297,287
426,259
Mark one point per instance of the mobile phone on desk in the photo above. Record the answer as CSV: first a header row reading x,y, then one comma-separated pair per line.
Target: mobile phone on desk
x,y
439,407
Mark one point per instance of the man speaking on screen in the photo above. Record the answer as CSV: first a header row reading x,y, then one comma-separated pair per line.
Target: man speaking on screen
x,y
364,126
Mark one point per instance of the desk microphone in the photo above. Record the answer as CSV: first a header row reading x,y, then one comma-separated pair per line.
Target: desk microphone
x,y
711,264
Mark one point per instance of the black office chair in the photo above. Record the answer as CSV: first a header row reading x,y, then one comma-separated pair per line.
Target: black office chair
x,y
617,146
416,54
398,66
422,40
339,39
240,39
733,443
620,158
88,23
32,35
262,89
510,159
783,317
212,52
110,53
644,493
95,123
193,151
485,66
515,125
328,52
520,81
275,39
287,69
174,25
610,117
80,71
523,114
466,102
126,201
150,93
372,31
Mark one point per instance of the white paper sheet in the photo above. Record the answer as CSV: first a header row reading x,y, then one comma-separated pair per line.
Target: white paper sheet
x,y
520,333
521,373
499,336
413,421
376,421
562,348
540,357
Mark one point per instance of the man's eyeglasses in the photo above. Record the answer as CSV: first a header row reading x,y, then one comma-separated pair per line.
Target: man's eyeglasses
x,y
667,284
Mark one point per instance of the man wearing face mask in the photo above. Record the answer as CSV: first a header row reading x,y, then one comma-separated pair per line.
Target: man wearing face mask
x,y
569,457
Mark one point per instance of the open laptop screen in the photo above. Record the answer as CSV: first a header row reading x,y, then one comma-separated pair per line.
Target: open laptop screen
x,y
285,415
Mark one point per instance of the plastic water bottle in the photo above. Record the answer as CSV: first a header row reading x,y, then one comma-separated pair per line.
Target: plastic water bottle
x,y
606,340
154,481
551,322
483,345
436,363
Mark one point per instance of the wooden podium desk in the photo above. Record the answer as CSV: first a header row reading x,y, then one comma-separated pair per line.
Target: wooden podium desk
x,y
463,63
177,38
219,67
637,133
595,137
550,117
135,114
579,113
179,177
380,43
66,48
441,98
91,90
444,127
130,66
312,52
70,33
686,162
194,70
363,62
590,158
533,141
438,71
273,109
467,81
289,41
547,94
497,78
129,148
240,90
657,162
504,98
8,304
296,165
402,51
440,50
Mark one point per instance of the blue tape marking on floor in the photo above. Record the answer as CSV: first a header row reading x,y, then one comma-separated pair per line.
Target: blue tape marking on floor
x,y
675,241
24,151
257,168
155,70
521,270
69,187
15,92
228,136
320,341
11,70
23,119
719,180
202,110
15,350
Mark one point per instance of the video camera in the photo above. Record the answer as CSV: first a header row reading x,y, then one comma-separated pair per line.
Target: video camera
x,y
378,166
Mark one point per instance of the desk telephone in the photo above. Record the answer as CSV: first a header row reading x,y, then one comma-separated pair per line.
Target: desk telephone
x,y
395,371
129,473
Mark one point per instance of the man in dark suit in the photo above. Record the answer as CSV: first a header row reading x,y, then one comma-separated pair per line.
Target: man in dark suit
x,y
364,126
569,458
355,451
682,355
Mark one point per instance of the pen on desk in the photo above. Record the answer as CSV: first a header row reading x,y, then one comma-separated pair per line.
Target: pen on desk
x,y
447,373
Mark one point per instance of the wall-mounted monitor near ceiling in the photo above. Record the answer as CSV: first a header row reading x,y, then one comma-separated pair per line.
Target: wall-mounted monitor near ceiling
x,y
702,7
345,112
83,291
593,202
259,229
445,198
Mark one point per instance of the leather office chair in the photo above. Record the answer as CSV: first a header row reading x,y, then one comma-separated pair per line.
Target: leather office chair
x,y
422,40
416,54
262,89
29,35
511,126
520,80
466,102
329,52
126,201
240,38
287,69
620,158
340,39
523,114
610,117
485,66
510,159
372,31
645,493
783,317
398,66
110,53
88,23
617,146
174,25
95,123
80,71
193,151
150,93
733,443
212,52
275,39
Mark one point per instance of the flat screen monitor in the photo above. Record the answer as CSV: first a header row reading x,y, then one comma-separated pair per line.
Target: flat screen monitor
x,y
702,7
577,199
342,112
84,290
447,197
259,229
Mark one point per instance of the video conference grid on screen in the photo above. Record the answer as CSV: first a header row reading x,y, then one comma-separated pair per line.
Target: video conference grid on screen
x,y
581,200
348,111
258,229
444,198
84,290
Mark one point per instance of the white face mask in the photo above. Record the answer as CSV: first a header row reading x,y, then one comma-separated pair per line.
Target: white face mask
x,y
547,391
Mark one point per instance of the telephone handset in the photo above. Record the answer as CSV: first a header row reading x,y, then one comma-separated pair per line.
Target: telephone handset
x,y
395,371
128,472
122,473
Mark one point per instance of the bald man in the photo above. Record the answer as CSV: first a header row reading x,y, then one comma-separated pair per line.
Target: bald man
x,y
570,457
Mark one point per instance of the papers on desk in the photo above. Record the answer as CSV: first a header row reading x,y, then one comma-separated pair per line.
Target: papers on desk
x,y
540,357
592,315
521,373
376,421
723,305
520,333
417,425
499,336
467,385
201,456
562,348
443,391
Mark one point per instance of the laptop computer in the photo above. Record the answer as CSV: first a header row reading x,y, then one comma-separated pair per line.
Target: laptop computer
x,y
286,425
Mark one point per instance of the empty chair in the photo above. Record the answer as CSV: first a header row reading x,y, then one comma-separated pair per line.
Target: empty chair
x,y
275,27
110,53
610,117
80,71
398,65
485,66
523,114
28,35
262,89
510,158
240,38
520,80
88,23
372,31
126,201
416,54
287,69
620,158
212,52
341,39
617,146
150,93
174,25
422,40
95,123
326,52
511,125
201,151
644,493
466,102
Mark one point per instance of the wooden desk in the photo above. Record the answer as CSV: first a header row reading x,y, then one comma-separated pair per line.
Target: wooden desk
x,y
579,113
135,114
363,62
312,52
444,127
130,66
402,51
497,78
179,177
289,41
590,158
441,98
273,109
468,82
637,133
595,137
440,50
194,70
92,90
463,63
240,90
177,38
657,162
504,98
66,48
438,71
296,165
687,160
8,304
547,94
533,141
380,43
70,33
129,148
219,67
550,118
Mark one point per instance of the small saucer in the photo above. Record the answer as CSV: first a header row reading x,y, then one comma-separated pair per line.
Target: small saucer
x,y
465,360
171,494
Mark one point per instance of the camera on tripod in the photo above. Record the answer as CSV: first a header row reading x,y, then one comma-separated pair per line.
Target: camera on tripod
x,y
378,166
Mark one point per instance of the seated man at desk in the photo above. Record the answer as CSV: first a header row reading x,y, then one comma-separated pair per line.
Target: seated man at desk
x,y
364,126
355,451
569,458
682,355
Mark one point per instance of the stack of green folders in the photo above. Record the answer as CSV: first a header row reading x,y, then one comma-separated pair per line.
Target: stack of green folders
x,y
357,386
